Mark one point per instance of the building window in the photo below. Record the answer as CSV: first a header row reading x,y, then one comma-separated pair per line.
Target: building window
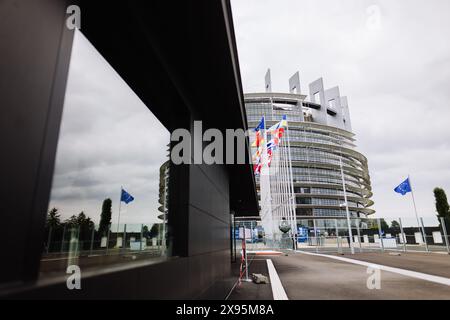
x,y
304,211
109,199
304,200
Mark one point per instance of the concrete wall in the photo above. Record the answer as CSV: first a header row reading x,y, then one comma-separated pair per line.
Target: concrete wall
x,y
346,114
294,84
336,120
341,117
316,88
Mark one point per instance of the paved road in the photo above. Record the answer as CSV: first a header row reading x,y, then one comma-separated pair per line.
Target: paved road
x,y
312,277
431,263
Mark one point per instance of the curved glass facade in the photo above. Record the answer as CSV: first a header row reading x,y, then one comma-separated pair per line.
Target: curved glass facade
x,y
316,152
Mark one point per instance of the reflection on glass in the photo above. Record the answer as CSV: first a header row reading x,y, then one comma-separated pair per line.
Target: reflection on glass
x,y
109,143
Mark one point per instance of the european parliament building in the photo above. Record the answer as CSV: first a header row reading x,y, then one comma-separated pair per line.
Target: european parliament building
x,y
320,136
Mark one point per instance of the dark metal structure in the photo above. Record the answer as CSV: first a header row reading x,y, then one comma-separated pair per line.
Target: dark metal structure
x,y
180,59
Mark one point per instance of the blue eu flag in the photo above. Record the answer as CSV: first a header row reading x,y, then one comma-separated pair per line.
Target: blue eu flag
x,y
126,197
404,187
261,125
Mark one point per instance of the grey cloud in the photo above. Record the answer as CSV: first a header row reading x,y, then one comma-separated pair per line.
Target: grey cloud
x,y
108,139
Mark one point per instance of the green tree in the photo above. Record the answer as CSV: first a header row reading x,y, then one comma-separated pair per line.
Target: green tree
x,y
154,231
442,207
81,219
384,225
53,229
72,221
373,224
85,226
84,222
145,232
395,225
53,219
105,217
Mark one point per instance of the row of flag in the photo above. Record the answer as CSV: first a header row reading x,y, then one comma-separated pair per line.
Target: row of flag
x,y
276,133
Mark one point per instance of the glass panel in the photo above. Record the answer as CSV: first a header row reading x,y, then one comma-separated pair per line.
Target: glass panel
x,y
110,187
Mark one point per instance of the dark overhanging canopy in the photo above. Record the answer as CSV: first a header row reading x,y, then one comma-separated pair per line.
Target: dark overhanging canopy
x,y
179,58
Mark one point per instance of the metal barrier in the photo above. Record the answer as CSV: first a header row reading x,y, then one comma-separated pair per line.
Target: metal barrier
x,y
88,246
368,235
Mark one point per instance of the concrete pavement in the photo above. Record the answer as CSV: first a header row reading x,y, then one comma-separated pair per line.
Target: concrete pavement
x,y
431,263
312,277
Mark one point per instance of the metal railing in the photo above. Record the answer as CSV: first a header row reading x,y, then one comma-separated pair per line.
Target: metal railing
x,y
368,235
88,246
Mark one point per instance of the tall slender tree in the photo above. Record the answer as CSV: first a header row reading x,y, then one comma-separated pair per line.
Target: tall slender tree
x,y
442,207
53,219
53,229
395,225
105,217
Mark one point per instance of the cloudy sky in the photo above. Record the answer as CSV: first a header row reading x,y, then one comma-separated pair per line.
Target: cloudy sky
x,y
108,139
391,58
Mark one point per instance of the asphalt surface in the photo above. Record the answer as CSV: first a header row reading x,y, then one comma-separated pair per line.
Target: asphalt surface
x,y
430,263
310,277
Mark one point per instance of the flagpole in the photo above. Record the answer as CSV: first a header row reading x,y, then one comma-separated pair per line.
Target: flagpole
x,y
291,178
414,202
264,176
120,207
